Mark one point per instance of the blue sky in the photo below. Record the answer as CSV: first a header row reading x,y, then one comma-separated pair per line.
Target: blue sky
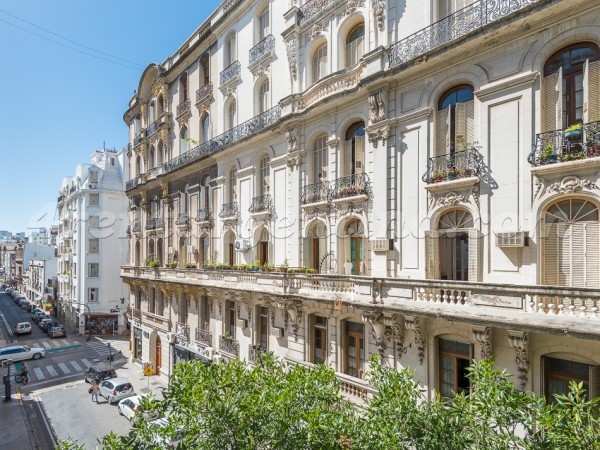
x,y
59,104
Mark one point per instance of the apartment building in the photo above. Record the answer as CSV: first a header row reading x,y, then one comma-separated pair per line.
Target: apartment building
x,y
415,179
91,249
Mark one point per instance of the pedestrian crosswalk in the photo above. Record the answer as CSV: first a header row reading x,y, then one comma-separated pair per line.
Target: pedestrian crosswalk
x,y
47,369
100,346
53,343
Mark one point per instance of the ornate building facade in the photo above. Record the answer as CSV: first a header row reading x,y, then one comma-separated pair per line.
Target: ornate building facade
x,y
415,179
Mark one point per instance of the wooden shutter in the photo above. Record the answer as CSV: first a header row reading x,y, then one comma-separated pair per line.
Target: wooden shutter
x,y
322,62
448,134
594,382
576,258
347,159
586,93
550,102
558,122
461,124
592,255
432,255
543,361
550,265
475,254
591,91
359,154
440,132
306,257
470,120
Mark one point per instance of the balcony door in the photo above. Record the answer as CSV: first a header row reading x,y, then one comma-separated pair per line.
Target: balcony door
x,y
355,349
352,251
455,120
263,247
353,158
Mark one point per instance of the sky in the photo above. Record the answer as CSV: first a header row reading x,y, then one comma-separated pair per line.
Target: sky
x,y
60,104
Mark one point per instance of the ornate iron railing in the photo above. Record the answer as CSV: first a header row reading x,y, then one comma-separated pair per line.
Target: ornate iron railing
x,y
203,215
254,351
229,345
204,337
132,183
229,210
137,139
229,72
184,107
235,134
566,145
312,8
452,166
204,91
351,186
182,330
182,219
262,203
452,27
315,193
134,312
262,48
136,226
155,223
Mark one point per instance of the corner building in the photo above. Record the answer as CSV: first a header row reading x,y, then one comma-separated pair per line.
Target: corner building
x,y
425,172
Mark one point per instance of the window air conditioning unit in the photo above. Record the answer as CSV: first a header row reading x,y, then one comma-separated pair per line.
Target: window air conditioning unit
x,y
512,239
241,245
92,186
171,337
277,332
381,245
242,323
171,250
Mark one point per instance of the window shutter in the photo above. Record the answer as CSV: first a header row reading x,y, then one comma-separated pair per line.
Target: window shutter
x,y
594,382
461,123
593,92
359,154
577,258
558,122
440,132
550,102
586,90
444,9
470,119
563,234
550,258
306,256
347,159
432,255
475,255
322,63
447,131
543,376
592,255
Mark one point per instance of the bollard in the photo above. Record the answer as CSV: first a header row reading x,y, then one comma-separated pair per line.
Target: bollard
x,y
7,389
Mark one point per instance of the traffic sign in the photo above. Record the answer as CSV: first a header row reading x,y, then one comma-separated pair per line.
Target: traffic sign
x,y
148,370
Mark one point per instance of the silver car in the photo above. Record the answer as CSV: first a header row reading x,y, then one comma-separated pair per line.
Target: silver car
x,y
21,352
115,389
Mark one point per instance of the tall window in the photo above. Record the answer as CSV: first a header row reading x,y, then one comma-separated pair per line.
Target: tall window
x,y
183,88
354,349
455,120
454,358
159,105
184,199
319,338
263,25
230,319
205,66
230,50
93,270
354,45
184,144
263,247
94,199
454,245
231,114
93,294
263,176
264,100
93,245
204,313
570,82
558,373
353,159
319,63
151,116
232,185
205,127
93,176
263,328
320,160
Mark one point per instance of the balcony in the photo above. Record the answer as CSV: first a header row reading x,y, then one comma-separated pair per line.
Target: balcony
x,y
262,53
204,337
204,95
229,211
184,109
183,220
229,346
163,121
132,184
353,187
230,74
156,223
209,148
455,26
182,330
263,204
135,313
156,321
576,143
316,194
204,215
312,9
136,226
137,140
453,166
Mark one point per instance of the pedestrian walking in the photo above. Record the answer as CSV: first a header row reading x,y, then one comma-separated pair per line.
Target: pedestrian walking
x,y
94,390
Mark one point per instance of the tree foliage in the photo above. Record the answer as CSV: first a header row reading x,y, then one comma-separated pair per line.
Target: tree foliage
x,y
275,406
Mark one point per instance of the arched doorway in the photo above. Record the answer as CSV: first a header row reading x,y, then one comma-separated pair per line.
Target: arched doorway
x,y
454,229
352,249
158,355
316,246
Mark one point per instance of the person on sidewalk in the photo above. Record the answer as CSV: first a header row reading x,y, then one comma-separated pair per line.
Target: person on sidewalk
x,y
94,389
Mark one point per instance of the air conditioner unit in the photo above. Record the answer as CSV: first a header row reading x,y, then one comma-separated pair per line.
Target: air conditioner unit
x,y
241,245
191,249
511,239
92,186
242,323
171,337
277,332
381,245
171,250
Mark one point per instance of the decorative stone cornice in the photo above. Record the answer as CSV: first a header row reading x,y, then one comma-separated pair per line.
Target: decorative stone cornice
x,y
519,340
571,184
292,311
337,83
375,319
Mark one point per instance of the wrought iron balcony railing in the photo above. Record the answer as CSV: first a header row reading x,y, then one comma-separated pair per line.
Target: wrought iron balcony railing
x,y
138,139
315,193
230,72
204,92
235,134
136,226
229,345
154,126
254,351
454,26
312,8
570,144
452,166
262,203
182,219
132,183
204,337
262,48
203,215
155,223
182,330
229,210
351,186
184,107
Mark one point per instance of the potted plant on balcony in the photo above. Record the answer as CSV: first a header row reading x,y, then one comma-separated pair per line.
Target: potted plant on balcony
x,y
268,267
574,132
172,265
190,265
254,266
284,266
437,176
548,156
153,264
452,172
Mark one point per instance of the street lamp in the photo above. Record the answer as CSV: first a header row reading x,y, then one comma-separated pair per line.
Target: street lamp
x,y
71,303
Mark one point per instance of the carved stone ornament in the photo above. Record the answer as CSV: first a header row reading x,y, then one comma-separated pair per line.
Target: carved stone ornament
x,y
569,185
394,330
519,340
353,5
317,29
292,311
483,335
375,319
377,107
378,134
294,162
416,325
291,49
291,135
538,186
378,7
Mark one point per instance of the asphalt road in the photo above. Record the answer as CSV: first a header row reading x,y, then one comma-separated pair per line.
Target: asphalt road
x,y
14,314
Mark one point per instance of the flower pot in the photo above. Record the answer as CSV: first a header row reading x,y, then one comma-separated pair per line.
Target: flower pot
x,y
573,135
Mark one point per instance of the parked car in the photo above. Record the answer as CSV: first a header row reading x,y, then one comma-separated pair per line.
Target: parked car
x,y
116,389
38,315
51,325
27,306
44,323
21,301
131,406
57,331
23,328
21,352
99,372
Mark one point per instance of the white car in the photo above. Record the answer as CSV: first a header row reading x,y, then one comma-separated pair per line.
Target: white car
x,y
116,389
21,352
131,406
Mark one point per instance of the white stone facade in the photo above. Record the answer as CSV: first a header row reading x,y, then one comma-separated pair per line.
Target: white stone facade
x,y
415,158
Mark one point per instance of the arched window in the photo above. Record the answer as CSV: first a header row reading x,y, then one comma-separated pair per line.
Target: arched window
x,y
205,127
353,159
264,99
138,165
183,88
571,244
264,28
455,120
231,114
159,105
263,247
151,110
320,162
569,84
263,176
355,44
316,247
160,155
559,372
151,157
232,185
319,63
184,144
230,54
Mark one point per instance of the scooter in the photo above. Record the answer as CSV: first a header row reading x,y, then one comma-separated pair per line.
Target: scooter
x,y
23,376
